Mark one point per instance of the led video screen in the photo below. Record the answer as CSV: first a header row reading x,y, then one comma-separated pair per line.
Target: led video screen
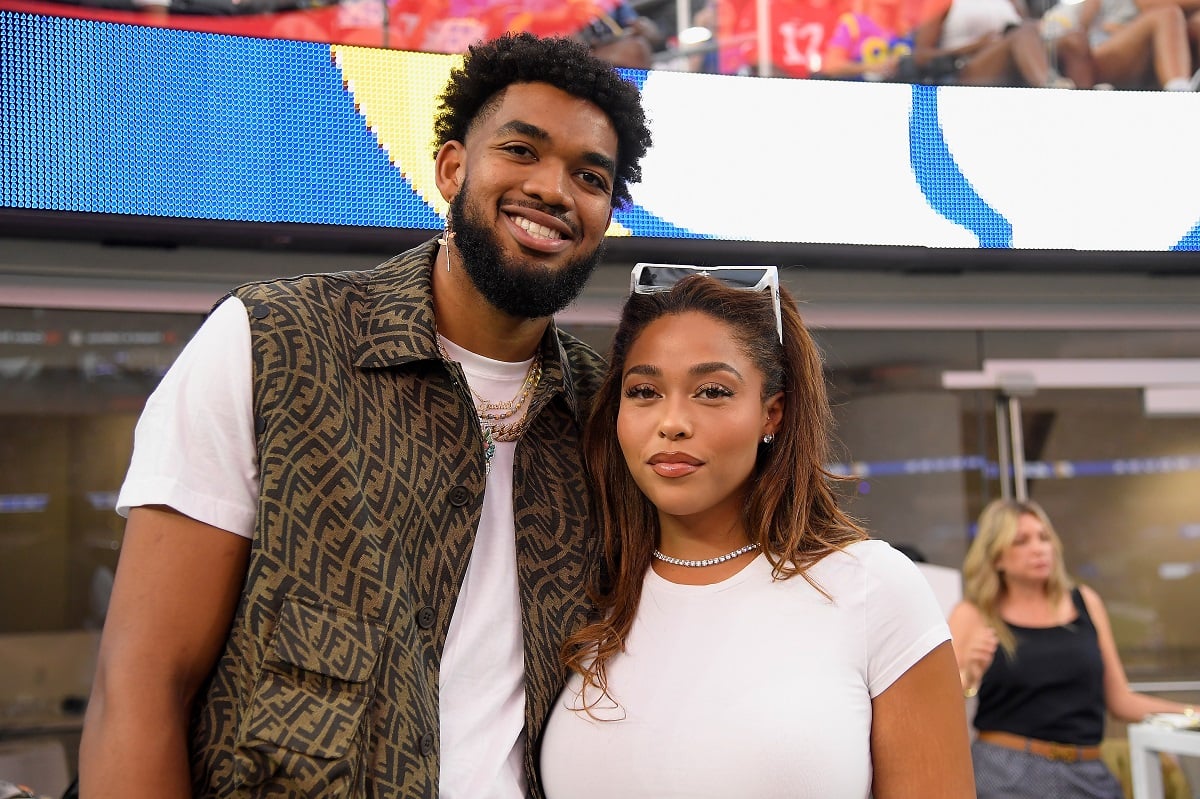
x,y
144,122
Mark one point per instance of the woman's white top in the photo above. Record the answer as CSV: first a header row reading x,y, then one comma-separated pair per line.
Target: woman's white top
x,y
750,687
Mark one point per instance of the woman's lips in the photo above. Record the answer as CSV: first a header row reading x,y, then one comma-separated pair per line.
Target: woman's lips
x,y
674,464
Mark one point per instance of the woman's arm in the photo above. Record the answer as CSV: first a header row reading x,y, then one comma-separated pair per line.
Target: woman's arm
x,y
177,585
974,644
919,743
1123,703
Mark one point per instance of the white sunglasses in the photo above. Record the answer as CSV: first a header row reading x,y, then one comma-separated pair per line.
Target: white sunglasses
x,y
653,278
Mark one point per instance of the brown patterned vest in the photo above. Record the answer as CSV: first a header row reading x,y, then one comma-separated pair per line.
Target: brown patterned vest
x,y
372,476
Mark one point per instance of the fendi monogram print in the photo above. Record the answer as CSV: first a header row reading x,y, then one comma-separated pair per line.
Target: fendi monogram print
x,y
372,475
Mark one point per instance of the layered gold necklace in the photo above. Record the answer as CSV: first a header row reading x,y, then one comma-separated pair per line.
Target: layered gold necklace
x,y
493,415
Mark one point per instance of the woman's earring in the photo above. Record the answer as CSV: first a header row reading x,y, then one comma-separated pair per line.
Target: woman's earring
x,y
768,438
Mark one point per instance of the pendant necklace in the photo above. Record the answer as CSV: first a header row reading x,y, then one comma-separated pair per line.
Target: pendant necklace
x,y
490,414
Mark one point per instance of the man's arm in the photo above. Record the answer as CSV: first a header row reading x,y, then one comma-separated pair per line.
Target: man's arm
x,y
177,586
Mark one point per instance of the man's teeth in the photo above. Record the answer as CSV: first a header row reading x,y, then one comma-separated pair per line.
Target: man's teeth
x,y
534,229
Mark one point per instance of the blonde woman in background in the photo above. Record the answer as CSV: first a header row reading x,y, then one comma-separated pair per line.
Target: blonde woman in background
x,y
1038,650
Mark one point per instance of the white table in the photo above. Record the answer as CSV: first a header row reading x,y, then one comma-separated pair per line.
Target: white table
x,y
1145,742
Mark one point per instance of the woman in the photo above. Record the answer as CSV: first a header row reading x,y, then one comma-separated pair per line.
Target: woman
x,y
988,43
1039,652
752,641
1132,47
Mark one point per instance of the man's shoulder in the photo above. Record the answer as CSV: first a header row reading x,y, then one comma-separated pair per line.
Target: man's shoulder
x,y
407,268
400,276
584,363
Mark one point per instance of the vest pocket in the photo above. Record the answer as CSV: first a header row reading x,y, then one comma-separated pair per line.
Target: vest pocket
x,y
304,728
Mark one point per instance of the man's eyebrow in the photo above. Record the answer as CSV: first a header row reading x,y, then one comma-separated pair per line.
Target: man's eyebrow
x,y
523,128
601,161
598,160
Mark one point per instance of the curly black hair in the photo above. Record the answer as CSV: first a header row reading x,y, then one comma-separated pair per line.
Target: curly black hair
x,y
563,63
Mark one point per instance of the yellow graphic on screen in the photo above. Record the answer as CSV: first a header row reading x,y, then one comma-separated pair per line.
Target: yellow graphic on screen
x,y
396,93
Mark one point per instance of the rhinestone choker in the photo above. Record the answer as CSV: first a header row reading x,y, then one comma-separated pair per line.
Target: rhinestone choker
x,y
696,564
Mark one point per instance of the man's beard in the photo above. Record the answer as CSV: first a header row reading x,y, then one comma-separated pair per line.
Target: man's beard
x,y
520,287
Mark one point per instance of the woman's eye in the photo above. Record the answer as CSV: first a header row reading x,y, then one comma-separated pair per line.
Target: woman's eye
x,y
640,392
714,392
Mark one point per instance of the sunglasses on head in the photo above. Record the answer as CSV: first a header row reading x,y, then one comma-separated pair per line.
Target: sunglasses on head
x,y
653,278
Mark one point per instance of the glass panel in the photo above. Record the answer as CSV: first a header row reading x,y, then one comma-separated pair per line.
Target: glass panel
x,y
1120,486
72,384
916,449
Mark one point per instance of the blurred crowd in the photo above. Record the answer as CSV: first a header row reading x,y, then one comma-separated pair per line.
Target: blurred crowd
x,y
1086,44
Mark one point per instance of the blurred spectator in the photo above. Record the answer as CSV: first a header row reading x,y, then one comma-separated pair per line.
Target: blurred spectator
x,y
1191,10
1131,47
623,38
1037,649
873,41
984,43
727,51
708,60
798,32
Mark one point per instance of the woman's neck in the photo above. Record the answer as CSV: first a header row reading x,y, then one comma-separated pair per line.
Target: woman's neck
x,y
694,539
1031,605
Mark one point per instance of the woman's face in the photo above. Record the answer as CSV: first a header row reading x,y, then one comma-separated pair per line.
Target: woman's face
x,y
1030,556
692,417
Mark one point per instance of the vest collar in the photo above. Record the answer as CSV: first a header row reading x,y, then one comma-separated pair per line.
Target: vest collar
x,y
397,323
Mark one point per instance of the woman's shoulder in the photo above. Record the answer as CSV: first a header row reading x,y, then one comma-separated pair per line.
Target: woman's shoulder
x,y
874,553
873,559
1091,599
966,614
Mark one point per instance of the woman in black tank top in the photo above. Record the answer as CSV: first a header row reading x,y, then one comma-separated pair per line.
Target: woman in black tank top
x,y
1038,652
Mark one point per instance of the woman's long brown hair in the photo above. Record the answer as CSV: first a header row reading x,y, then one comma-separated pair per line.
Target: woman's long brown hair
x,y
791,512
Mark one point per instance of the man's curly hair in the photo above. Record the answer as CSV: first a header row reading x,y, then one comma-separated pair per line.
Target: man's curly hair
x,y
563,63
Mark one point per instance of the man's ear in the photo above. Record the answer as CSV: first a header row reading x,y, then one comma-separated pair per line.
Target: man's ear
x,y
450,169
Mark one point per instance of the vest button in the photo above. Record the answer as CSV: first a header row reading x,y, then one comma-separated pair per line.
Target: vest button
x,y
260,312
425,618
426,743
260,424
459,495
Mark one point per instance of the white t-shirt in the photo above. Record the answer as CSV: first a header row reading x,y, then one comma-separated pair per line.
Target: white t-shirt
x,y
968,20
195,451
748,687
193,447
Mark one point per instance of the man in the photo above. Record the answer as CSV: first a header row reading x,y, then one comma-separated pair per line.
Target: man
x,y
356,515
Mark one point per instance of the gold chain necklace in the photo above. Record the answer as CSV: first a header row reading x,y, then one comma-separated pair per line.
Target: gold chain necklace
x,y
484,407
493,432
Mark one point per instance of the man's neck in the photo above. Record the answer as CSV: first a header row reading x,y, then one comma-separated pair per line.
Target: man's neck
x,y
473,323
